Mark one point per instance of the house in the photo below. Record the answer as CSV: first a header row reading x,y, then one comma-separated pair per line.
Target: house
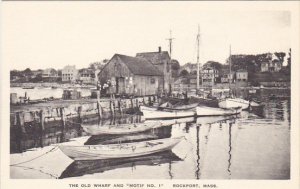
x,y
131,75
189,67
69,74
241,78
209,76
49,75
241,75
162,61
186,83
86,76
272,64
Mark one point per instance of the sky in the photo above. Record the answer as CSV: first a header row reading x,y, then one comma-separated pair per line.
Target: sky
x,y
54,34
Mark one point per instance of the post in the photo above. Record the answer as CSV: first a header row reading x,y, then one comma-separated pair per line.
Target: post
x,y
42,120
21,122
63,117
120,106
79,111
98,104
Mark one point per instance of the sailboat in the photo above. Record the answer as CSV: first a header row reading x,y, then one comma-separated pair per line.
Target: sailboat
x,y
233,102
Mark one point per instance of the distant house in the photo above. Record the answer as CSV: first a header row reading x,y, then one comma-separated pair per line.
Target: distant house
x,y
69,74
189,67
131,75
271,65
209,76
241,75
35,73
162,61
86,76
49,75
186,83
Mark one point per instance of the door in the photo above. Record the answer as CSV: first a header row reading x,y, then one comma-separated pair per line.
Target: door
x,y
120,85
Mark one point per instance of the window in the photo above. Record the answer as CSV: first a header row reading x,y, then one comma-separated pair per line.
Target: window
x,y
152,80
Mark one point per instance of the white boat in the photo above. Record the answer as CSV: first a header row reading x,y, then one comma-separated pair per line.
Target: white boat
x,y
120,129
210,111
157,114
177,108
228,103
125,150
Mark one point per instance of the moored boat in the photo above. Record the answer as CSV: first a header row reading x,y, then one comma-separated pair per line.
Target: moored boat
x,y
210,111
111,151
166,114
177,108
120,129
228,103
28,88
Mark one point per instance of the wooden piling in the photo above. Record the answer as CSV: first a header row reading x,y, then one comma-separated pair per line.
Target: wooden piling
x,y
21,122
42,120
63,117
79,112
120,106
99,105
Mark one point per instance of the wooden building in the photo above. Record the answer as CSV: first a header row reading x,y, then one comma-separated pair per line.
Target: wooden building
x,y
131,75
162,61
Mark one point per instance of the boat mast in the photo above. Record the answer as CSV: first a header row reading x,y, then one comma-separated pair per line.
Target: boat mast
x,y
229,59
198,63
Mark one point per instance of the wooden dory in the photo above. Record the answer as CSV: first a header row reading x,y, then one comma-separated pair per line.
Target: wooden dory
x,y
157,114
93,152
120,129
175,108
210,111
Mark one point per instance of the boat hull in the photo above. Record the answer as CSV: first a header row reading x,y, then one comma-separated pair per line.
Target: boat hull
x,y
234,103
150,114
94,152
209,111
120,129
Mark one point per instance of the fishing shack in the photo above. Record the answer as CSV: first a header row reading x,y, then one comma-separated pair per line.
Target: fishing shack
x,y
126,75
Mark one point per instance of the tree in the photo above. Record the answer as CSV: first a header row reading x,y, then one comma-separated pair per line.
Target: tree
x,y
27,72
175,66
280,56
213,64
289,60
184,73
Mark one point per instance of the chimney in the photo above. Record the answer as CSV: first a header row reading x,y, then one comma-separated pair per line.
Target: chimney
x,y
159,49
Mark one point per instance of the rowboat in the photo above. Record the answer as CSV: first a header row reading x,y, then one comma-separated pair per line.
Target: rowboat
x,y
157,114
178,108
205,101
209,111
80,168
125,150
228,103
120,129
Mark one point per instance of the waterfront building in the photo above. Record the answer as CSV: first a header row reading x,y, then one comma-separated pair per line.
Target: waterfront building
x,y
272,64
86,76
49,75
185,83
69,74
131,75
161,60
241,78
209,76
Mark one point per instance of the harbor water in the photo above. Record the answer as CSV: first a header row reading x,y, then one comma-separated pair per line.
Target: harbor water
x,y
247,146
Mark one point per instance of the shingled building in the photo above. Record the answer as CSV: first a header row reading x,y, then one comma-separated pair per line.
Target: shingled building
x,y
131,75
161,60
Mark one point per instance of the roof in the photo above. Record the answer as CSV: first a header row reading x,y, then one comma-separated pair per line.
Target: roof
x,y
86,71
155,57
139,66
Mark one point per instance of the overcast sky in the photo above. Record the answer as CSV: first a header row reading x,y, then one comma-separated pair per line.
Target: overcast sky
x,y
55,34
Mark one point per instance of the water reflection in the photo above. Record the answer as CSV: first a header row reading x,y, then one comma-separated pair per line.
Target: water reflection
x,y
80,168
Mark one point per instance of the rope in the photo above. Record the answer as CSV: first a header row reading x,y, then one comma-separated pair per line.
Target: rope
x,y
51,150
52,175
